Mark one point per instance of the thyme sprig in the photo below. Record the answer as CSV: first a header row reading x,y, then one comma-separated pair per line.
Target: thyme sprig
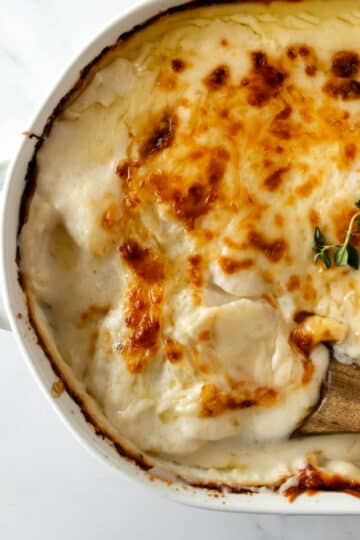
x,y
344,254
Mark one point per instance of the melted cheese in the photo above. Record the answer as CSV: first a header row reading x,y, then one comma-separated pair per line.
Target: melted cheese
x,y
168,243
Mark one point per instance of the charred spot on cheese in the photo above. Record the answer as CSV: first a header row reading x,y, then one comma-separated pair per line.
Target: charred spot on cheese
x,y
281,126
146,264
217,165
273,181
345,64
125,170
195,270
304,50
193,201
349,154
311,70
296,50
305,54
145,336
265,396
218,77
205,335
173,350
292,52
272,249
231,243
264,81
346,90
302,340
231,126
197,154
224,113
234,128
178,65
224,42
308,291
207,234
279,220
281,129
143,324
231,266
215,401
284,113
314,217
162,135
350,151
305,189
293,283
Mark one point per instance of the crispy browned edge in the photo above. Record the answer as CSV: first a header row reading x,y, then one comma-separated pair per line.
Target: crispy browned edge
x,y
30,184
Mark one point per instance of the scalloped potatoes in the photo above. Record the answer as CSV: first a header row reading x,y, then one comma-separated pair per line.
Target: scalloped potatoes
x,y
167,249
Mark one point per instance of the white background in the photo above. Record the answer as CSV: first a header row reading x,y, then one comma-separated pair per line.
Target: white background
x,y
50,488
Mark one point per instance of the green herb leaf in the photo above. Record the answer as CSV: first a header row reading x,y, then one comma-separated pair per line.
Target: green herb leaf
x,y
344,254
353,257
325,259
319,238
341,255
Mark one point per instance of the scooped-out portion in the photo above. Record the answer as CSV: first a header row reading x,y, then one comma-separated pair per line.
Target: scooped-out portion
x,y
167,248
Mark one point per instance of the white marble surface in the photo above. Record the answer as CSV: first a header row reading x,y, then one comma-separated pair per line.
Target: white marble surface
x,y
50,488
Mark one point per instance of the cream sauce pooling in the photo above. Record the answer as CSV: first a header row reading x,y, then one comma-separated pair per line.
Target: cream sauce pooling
x,y
168,244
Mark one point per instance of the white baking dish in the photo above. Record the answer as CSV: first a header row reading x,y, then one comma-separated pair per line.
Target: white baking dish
x,y
16,314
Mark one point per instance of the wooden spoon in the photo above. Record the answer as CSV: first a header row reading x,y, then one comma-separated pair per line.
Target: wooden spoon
x,y
338,409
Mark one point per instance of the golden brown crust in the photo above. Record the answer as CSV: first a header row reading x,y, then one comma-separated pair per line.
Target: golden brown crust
x,y
275,179
215,402
274,250
173,350
146,264
311,480
345,64
231,266
178,65
161,136
196,270
142,320
218,77
264,82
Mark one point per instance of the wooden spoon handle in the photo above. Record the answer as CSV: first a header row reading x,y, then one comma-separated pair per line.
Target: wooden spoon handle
x,y
339,406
